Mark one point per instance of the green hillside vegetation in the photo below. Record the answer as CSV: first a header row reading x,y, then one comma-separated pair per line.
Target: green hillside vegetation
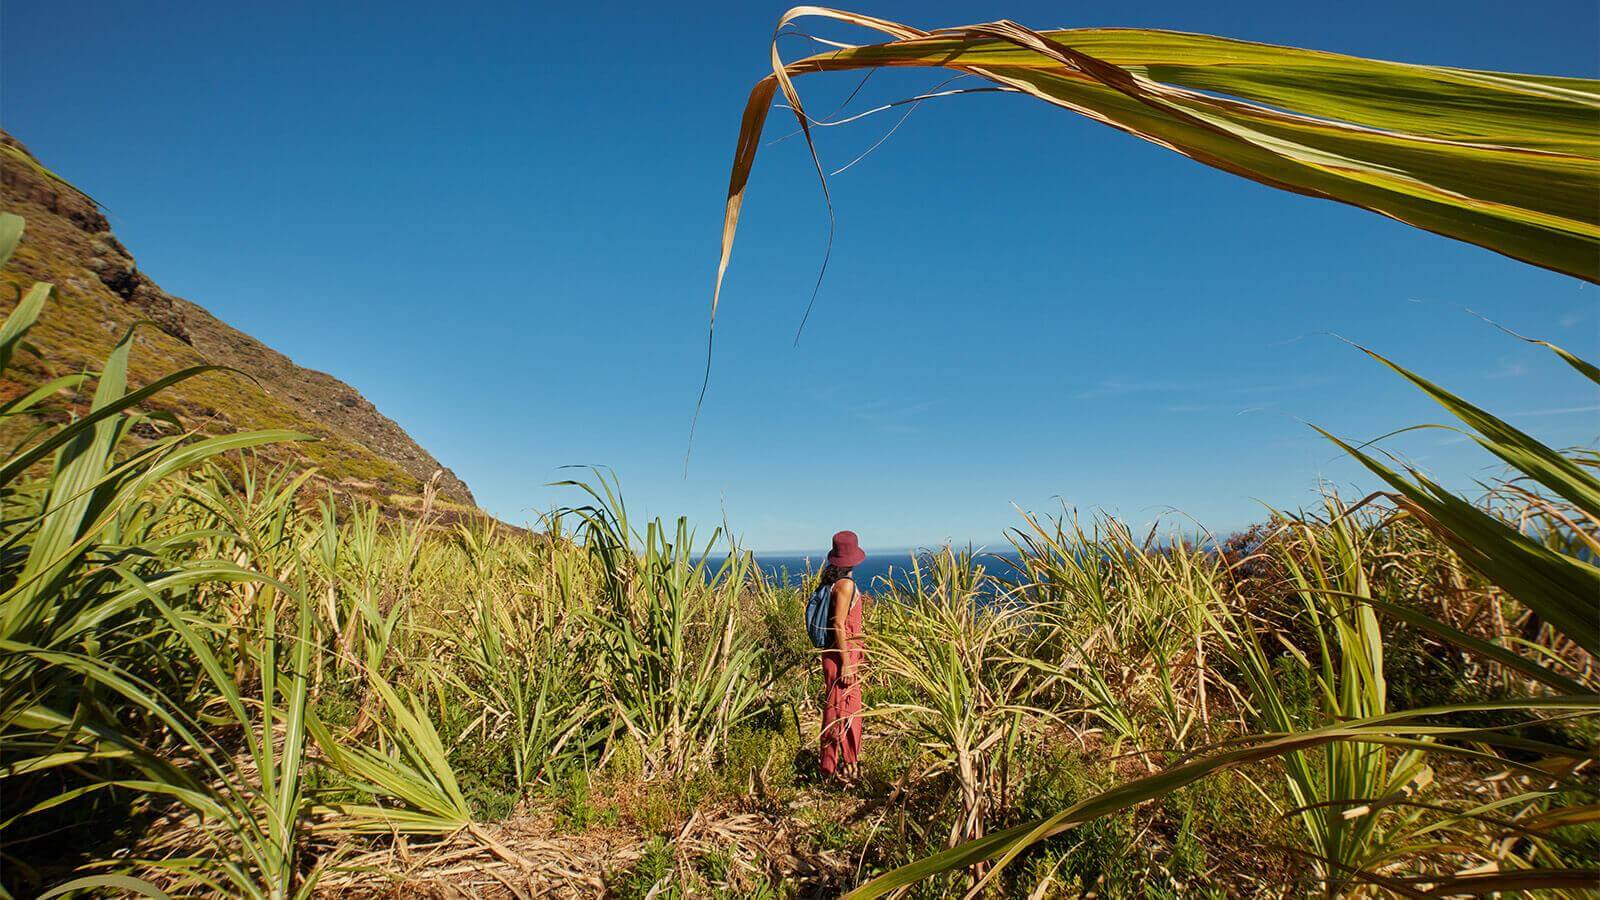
x,y
100,294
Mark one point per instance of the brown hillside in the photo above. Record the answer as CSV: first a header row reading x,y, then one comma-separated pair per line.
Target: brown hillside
x,y
100,292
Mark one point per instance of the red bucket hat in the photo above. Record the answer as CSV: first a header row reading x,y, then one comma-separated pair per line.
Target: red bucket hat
x,y
846,550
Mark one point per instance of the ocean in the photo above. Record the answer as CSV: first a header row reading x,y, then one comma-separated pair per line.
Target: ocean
x,y
876,569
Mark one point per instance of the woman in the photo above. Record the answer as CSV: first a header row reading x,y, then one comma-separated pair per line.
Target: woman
x,y
841,661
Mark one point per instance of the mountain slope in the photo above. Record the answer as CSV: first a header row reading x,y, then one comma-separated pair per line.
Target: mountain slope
x,y
100,293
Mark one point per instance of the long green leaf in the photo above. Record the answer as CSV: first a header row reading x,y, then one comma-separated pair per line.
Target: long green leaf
x,y
1479,646
21,319
124,883
11,227
1006,845
1505,161
1561,589
1519,449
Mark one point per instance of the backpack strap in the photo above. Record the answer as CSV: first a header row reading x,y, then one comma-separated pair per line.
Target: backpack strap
x,y
855,590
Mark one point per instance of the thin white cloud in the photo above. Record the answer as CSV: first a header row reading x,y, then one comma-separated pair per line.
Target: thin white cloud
x,y
1560,411
1119,387
1229,408
890,416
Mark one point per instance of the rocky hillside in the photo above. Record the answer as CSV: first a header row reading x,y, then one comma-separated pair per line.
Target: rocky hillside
x,y
100,292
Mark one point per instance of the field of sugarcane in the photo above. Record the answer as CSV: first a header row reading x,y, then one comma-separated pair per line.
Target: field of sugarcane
x,y
217,680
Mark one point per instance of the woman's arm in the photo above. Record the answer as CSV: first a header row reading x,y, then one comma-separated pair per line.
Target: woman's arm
x,y
844,593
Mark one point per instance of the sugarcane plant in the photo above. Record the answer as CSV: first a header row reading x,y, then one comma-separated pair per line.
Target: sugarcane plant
x,y
96,588
677,679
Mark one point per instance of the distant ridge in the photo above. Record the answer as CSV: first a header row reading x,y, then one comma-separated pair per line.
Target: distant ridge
x,y
100,292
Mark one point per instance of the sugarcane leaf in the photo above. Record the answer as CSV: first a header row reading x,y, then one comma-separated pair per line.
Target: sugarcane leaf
x,y
1519,449
1004,846
11,227
124,883
1562,589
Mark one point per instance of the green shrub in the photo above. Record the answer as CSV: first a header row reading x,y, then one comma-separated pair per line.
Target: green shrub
x,y
573,797
653,868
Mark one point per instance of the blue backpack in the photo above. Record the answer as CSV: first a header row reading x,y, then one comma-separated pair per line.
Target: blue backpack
x,y
819,616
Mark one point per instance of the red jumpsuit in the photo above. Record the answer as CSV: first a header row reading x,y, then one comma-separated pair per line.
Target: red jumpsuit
x,y
841,710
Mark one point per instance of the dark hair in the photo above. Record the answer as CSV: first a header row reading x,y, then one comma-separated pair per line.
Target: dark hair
x,y
832,573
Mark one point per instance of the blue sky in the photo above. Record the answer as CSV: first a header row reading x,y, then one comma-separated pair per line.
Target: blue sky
x,y
499,222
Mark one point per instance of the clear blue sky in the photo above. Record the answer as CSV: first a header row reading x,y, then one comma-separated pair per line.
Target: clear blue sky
x,y
500,223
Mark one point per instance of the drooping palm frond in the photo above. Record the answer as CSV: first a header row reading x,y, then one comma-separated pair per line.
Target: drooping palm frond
x,y
1509,162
